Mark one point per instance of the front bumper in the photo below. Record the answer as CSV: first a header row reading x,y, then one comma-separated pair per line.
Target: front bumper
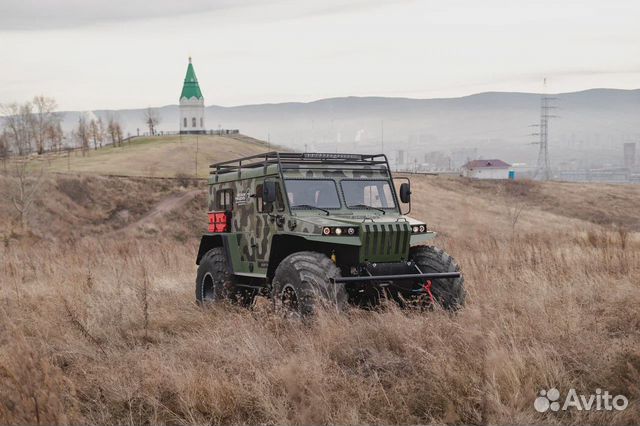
x,y
429,276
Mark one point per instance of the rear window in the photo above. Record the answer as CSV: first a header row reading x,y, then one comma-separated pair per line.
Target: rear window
x,y
224,199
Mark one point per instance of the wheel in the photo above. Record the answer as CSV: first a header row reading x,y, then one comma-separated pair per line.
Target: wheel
x,y
215,284
448,292
303,281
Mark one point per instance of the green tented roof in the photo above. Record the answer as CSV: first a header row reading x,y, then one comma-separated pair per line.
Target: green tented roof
x,y
191,89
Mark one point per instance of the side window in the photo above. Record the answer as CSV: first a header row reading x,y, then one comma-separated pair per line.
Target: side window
x,y
193,122
279,201
224,199
259,204
185,122
201,122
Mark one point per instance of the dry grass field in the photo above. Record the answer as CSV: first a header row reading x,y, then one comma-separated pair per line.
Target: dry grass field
x,y
98,323
166,156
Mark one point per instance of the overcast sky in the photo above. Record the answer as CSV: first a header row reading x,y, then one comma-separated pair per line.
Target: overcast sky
x,y
133,53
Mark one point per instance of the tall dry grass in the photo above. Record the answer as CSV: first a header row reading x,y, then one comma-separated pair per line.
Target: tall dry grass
x,y
104,330
107,333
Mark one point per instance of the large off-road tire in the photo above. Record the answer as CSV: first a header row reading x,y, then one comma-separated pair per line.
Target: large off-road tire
x,y
214,284
304,281
448,292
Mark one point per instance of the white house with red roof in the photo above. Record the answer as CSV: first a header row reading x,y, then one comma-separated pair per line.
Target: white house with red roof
x,y
486,169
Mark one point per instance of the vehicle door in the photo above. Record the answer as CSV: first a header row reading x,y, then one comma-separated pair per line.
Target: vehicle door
x,y
266,224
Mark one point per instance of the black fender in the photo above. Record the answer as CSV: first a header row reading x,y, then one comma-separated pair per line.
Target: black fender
x,y
284,245
209,241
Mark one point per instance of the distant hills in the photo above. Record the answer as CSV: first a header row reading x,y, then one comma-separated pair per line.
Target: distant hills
x,y
590,129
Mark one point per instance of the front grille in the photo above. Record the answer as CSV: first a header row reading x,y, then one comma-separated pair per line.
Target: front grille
x,y
385,242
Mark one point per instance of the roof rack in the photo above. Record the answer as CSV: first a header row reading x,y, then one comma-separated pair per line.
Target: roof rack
x,y
297,158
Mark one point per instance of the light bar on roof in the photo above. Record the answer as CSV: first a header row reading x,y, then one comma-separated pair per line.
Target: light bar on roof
x,y
332,156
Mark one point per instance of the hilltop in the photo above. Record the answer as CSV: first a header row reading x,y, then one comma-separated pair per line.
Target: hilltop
x,y
158,156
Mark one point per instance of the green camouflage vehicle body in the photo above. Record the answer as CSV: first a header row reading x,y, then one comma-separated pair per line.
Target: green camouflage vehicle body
x,y
267,209
381,237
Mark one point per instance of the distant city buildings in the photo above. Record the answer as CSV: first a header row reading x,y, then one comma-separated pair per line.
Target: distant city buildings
x,y
629,173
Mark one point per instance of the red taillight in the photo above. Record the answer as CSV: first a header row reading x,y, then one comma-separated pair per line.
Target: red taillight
x,y
218,222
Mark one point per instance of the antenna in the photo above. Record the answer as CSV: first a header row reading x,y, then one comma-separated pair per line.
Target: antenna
x,y
543,169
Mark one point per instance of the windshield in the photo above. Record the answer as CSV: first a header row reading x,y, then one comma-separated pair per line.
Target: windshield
x,y
372,193
310,193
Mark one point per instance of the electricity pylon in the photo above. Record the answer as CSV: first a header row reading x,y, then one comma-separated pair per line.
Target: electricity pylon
x,y
543,169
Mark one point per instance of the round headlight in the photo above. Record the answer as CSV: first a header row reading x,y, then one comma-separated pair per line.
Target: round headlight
x,y
415,229
422,228
338,231
326,230
351,231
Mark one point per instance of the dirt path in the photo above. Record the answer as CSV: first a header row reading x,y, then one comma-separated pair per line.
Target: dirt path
x,y
163,207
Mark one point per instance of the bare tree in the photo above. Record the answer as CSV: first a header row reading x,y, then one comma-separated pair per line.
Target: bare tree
x,y
118,131
55,136
18,121
151,118
82,134
101,131
93,132
25,187
19,130
114,130
517,196
514,212
111,130
44,118
4,149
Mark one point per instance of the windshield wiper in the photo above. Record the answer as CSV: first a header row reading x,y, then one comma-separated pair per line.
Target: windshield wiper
x,y
309,206
366,206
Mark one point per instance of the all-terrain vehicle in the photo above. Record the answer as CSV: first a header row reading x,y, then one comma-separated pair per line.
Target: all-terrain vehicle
x,y
313,228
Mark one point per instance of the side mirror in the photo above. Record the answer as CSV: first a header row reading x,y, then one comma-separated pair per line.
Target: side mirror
x,y
269,192
405,193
